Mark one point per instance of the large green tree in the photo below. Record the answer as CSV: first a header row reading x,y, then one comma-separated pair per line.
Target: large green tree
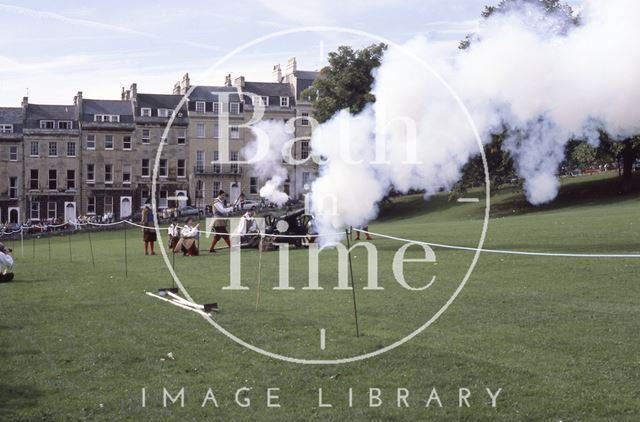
x,y
501,165
345,83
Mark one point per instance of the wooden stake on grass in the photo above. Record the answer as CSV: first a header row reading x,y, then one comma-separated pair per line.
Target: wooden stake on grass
x,y
353,287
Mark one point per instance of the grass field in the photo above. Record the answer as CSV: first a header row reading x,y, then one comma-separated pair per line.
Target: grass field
x,y
559,336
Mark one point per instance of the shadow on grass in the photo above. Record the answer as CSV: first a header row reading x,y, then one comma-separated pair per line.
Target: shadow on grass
x,y
509,201
14,399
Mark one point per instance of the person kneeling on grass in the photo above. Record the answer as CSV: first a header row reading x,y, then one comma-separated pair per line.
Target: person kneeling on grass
x,y
6,264
248,230
188,236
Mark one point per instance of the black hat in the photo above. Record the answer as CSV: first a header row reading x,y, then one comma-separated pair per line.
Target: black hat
x,y
221,192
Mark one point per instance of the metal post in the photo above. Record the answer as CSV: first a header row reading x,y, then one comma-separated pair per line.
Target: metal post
x,y
353,287
93,261
126,264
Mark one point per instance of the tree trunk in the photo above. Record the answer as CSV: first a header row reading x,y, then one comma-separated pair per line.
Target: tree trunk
x,y
628,158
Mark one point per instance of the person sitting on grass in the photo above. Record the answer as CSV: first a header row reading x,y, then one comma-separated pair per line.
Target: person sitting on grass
x,y
174,234
6,264
188,236
248,230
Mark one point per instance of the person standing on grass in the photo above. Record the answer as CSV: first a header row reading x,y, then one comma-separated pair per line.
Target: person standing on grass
x,y
219,221
148,232
6,264
174,234
365,228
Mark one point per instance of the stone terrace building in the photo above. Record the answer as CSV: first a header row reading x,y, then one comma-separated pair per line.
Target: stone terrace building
x,y
97,156
51,161
151,116
109,158
11,159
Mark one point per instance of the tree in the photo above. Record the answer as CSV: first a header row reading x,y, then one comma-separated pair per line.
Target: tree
x,y
346,82
501,165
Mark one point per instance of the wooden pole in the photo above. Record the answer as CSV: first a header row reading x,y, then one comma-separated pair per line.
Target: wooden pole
x,y
93,261
70,255
49,242
353,287
259,271
126,264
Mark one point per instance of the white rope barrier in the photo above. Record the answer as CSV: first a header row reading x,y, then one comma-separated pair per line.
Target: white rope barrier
x,y
498,251
307,236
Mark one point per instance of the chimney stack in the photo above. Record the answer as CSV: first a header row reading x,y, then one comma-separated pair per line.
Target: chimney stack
x,y
77,100
239,82
227,80
122,94
134,90
277,73
25,102
291,66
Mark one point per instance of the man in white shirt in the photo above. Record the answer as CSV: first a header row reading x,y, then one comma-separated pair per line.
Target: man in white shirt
x,y
174,233
6,264
248,230
188,236
220,222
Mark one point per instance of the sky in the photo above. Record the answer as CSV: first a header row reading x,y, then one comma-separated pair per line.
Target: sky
x,y
51,50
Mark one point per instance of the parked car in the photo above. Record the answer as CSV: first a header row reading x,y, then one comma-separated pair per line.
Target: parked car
x,y
189,211
248,204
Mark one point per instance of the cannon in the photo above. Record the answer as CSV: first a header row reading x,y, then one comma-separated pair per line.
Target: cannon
x,y
293,223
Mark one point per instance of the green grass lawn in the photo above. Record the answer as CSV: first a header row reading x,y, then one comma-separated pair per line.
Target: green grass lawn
x,y
558,335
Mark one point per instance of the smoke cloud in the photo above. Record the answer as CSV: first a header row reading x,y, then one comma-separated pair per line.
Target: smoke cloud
x,y
538,76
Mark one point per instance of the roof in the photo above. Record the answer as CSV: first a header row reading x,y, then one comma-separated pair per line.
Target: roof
x,y
155,101
306,74
11,115
119,107
210,93
51,112
269,89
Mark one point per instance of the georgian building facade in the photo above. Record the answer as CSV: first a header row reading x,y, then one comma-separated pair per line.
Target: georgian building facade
x,y
96,157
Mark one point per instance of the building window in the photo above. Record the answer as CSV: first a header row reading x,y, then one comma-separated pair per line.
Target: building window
x,y
53,179
34,151
145,112
34,183
146,136
108,173
261,101
163,112
182,168
47,124
216,162
13,153
216,131
126,174
91,205
13,187
113,118
91,173
253,185
234,132
6,128
304,121
234,164
306,178
71,179
200,130
284,101
126,143
53,149
108,141
200,106
216,107
163,202
91,141
51,210
216,189
234,108
199,161
108,204
304,150
182,136
144,196
145,168
65,124
71,149
163,168
35,211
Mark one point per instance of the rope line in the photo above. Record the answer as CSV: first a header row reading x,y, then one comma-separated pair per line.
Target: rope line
x,y
386,236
